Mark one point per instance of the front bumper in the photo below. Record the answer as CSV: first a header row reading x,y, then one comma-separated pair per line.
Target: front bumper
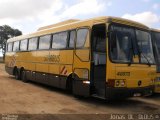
x,y
115,93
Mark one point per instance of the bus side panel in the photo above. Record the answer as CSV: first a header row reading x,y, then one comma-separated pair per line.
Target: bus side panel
x,y
60,67
28,62
65,68
42,67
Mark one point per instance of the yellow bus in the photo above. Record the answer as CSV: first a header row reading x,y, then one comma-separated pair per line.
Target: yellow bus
x,y
104,57
156,48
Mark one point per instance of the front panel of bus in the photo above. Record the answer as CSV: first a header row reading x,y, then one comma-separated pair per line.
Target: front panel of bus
x,y
156,48
130,61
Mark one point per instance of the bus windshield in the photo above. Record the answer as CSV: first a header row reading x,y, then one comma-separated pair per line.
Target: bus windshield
x,y
145,47
156,47
128,42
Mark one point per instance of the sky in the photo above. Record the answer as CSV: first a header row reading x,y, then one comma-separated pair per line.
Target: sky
x,y
29,15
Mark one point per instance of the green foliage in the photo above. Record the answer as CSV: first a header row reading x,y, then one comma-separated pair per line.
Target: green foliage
x,y
7,32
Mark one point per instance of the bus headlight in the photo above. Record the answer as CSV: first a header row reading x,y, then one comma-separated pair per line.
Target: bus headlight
x,y
120,83
116,83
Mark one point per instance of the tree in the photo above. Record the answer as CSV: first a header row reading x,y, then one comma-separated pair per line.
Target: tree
x,y
7,32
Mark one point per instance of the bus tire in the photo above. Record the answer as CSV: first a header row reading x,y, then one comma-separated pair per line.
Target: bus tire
x,y
78,96
23,76
21,72
16,74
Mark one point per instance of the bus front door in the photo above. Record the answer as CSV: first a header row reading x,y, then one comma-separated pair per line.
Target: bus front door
x,y
98,64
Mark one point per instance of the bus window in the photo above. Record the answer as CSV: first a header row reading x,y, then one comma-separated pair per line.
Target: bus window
x,y
33,43
9,47
81,37
72,39
44,42
23,45
145,46
16,46
156,41
120,47
59,40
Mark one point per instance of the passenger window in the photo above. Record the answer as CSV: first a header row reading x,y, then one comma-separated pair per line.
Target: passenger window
x,y
9,47
59,40
72,39
33,44
81,37
44,42
16,46
23,45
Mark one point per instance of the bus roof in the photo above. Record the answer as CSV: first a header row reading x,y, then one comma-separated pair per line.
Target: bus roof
x,y
155,30
74,23
58,24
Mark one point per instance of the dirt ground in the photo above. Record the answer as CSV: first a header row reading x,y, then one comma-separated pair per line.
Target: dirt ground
x,y
21,98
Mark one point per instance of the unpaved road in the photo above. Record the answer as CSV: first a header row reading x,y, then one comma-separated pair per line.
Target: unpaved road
x,y
17,97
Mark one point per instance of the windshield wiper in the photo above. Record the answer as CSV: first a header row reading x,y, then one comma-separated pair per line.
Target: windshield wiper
x,y
141,53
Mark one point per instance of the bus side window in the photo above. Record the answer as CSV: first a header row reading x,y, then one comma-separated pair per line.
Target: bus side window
x,y
60,40
23,45
81,37
44,42
9,47
33,44
16,46
72,38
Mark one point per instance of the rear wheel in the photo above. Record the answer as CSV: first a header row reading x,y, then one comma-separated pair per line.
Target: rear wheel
x,y
23,76
21,72
16,74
